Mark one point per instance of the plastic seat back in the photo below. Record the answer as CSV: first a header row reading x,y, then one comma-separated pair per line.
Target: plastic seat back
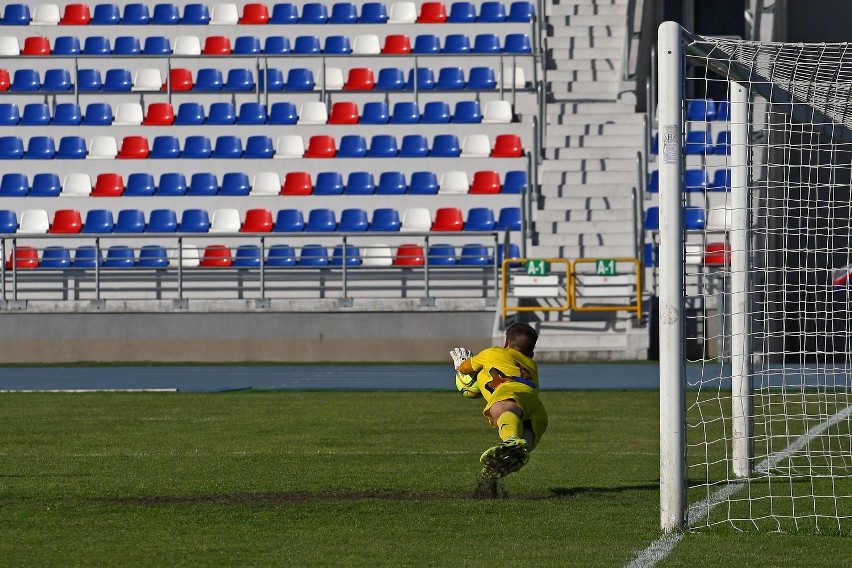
x,y
373,13
57,80
152,256
216,45
297,183
216,256
414,146
259,147
480,219
284,13
239,80
16,15
517,43
252,113
9,114
405,112
87,256
454,183
337,45
266,183
425,44
280,255
313,112
352,255
509,218
409,254
169,15
366,45
172,184
203,183
194,221
276,45
353,221
507,146
99,221
402,13
66,221
128,114
130,221
108,185
343,112
397,44
118,80
320,146
189,113
467,112
462,13
436,112
442,254
25,80
283,113
486,43
225,221
35,114
187,45
375,112
321,221
289,146
299,79
120,256
34,221
450,78
392,183
314,13
383,146
140,184
360,183
473,254
14,185
66,45
105,15
126,45
258,221
416,219
89,80
196,147
165,147
255,14
11,148
329,183
456,43
385,219
46,15
224,15
476,146
423,183
235,183
313,255
485,182
352,146
36,45
46,185
133,148
162,221
446,146
55,257
307,45
135,14
448,219
222,113
359,79
194,14
289,221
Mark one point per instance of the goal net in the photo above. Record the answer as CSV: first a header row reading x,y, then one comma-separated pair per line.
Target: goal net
x,y
755,250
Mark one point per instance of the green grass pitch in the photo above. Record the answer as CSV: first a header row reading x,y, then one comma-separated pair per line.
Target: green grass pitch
x,y
340,479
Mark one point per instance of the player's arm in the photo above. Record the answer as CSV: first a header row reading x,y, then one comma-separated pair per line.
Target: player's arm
x,y
466,367
462,361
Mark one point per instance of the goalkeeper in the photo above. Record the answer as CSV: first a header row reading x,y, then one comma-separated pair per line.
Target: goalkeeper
x,y
507,377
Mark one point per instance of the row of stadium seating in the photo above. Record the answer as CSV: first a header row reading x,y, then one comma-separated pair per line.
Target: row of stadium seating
x,y
264,183
353,220
368,44
212,80
711,254
700,142
136,14
694,219
251,256
696,180
262,147
707,110
224,113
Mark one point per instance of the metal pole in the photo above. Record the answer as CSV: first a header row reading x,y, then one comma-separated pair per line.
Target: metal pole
x,y
97,269
262,268
672,443
741,401
180,268
3,270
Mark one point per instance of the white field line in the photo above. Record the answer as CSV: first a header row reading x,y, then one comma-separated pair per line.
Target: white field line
x,y
662,547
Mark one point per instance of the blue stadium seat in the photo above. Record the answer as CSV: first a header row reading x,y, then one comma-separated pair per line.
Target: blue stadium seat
x,y
222,113
16,15
696,180
313,255
414,146
392,183
126,45
190,113
405,112
701,110
194,221
299,79
436,112
98,114
208,79
360,183
353,221
721,180
87,256
203,183
445,146
515,182
512,251
694,218
162,221
456,43
165,147
40,148
423,183
229,147
67,114
481,78
390,79
239,80
283,113
165,15
139,185
473,254
193,15
66,45
157,45
276,45
118,80
281,255
25,80
492,12
353,255
383,146
343,13
120,256
321,221
375,112
652,219
35,114
105,15
486,43
235,183
328,183
479,219
425,79
55,257
467,112
135,14
247,256
450,79
130,221
271,80
461,13
11,148
521,11
698,142
517,43
385,220
426,44
653,182
14,185
259,147
57,80
252,113
314,13
307,45
284,13
96,45
337,45
98,221
289,221
246,45
72,148
373,13
172,184
352,146
46,185
509,218
723,143
442,254
152,256
9,114
89,80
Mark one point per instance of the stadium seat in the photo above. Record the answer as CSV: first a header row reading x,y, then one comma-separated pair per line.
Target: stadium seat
x,y
46,185
16,15
87,256
118,80
225,221
497,112
239,80
314,13
425,79
719,219
89,80
485,182
148,80
352,146
8,221
246,45
375,112
172,184
397,44
442,254
216,256
450,78
14,185
120,256
35,114
479,219
492,12
423,183
257,221
289,146
66,221
414,146
25,80
329,183
694,218
259,147
409,254
255,14
299,79
513,78
57,80
222,113
187,45
702,110
266,183
448,219
313,112
436,112
126,45
717,254
462,13
512,251
196,147
216,45
473,254
359,79
194,14
271,80
405,112
105,15
297,183
284,13
185,256
208,79
521,11
152,256
402,13
132,148
698,142
352,254
135,15
9,114
390,79
289,221
392,183
723,143
343,112
77,185
385,220
34,221
509,218
432,13
72,148
22,257
203,183
45,15
321,146
130,221
456,43
307,45
416,219
159,114
108,185
225,14
383,146
336,45
281,255
467,112
67,114
66,45
517,43
353,220
446,146
377,255
486,43
252,113
454,183
36,45
55,257
98,221
696,180
313,255
426,44
653,185
321,221
360,183
507,146
373,13
128,114
366,45
276,45
11,148
194,221
235,183
247,256
165,147
96,45
140,185
721,180
162,221
99,114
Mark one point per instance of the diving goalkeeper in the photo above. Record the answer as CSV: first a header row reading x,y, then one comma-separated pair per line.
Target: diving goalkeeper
x,y
507,377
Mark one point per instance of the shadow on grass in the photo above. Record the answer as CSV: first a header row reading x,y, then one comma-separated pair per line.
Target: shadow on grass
x,y
561,492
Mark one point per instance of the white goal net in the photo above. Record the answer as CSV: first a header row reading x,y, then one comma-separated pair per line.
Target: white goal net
x,y
755,207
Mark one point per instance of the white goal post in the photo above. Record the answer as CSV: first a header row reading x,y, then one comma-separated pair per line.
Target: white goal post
x,y
755,268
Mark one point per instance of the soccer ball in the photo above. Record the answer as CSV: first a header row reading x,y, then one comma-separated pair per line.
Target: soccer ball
x,y
467,385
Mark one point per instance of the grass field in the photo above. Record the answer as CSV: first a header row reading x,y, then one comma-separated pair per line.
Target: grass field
x,y
340,479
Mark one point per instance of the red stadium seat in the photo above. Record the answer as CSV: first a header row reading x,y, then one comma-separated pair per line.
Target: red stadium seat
x,y
717,254
409,255
320,147
360,79
297,183
109,185
66,221
255,14
448,219
507,146
217,45
397,43
257,221
36,45
5,81
344,112
432,13
133,148
485,183
179,80
76,15
217,256
159,114
25,257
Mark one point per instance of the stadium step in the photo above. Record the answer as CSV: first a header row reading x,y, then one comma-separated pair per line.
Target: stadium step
x,y
584,190
555,214
583,200
586,41
590,118
584,250
628,142
591,165
605,89
583,74
598,129
615,20
586,9
582,108
601,153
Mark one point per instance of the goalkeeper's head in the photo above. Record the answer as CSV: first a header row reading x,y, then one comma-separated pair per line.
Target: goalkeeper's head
x,y
521,337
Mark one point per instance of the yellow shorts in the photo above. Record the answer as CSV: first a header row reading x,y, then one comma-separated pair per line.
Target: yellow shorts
x,y
535,416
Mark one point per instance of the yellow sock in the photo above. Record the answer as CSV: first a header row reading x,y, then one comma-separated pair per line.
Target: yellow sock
x,y
508,425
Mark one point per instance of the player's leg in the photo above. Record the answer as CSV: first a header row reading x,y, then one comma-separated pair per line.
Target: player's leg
x,y
511,454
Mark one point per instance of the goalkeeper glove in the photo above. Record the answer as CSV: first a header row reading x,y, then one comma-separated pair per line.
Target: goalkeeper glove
x,y
459,356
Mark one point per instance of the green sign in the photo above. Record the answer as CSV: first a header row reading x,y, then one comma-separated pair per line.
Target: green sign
x,y
537,267
605,267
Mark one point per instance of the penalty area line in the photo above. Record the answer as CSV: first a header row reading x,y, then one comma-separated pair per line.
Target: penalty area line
x,y
663,546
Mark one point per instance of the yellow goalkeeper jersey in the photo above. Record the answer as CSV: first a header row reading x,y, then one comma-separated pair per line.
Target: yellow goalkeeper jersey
x,y
504,366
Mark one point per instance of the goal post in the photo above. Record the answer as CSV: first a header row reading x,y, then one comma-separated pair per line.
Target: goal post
x,y
755,283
